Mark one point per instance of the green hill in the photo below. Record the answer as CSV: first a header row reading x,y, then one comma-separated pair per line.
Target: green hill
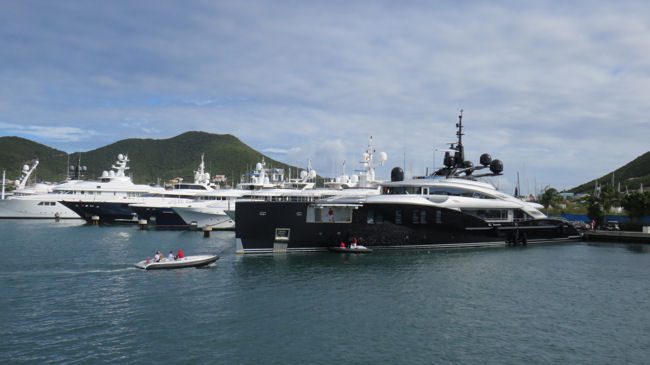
x,y
16,152
632,175
151,160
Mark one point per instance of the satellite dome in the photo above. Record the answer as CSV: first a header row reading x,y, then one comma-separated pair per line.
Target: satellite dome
x,y
397,174
496,166
26,168
104,173
382,156
258,166
120,157
486,159
312,174
303,174
469,165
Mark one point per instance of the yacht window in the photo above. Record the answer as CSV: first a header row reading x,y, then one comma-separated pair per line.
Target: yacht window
x,y
371,216
489,214
398,217
423,216
521,215
441,190
411,190
438,216
416,216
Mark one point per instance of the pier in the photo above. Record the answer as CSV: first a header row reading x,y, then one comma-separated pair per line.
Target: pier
x,y
617,236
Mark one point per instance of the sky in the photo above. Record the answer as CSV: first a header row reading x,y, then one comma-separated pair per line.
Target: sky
x,y
559,91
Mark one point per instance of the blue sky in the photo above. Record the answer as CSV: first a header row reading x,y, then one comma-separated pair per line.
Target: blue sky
x,y
560,91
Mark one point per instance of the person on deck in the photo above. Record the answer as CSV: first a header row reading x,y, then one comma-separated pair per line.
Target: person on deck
x,y
157,257
180,254
170,257
342,245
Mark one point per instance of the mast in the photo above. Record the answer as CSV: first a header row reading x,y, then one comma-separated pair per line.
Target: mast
x,y
3,184
460,150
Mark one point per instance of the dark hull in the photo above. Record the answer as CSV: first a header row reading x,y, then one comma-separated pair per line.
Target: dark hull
x,y
107,212
164,218
264,227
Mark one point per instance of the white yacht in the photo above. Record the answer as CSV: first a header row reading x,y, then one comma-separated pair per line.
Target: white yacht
x,y
365,178
38,200
157,209
113,189
219,213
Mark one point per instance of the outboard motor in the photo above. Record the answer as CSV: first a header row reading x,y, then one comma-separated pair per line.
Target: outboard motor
x,y
397,174
486,159
496,166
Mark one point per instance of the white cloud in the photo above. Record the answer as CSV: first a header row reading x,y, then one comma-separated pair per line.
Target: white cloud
x,y
561,88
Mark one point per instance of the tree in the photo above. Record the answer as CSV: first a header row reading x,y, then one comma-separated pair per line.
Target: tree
x,y
609,197
595,209
637,204
550,197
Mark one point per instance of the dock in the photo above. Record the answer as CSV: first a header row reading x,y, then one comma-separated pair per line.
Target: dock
x,y
617,236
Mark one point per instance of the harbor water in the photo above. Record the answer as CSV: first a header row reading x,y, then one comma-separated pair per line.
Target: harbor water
x,y
69,294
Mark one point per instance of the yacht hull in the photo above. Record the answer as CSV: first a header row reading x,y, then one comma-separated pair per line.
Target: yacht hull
x,y
160,217
107,212
35,209
267,227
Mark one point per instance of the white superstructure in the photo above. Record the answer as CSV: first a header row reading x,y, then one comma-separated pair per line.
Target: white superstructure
x,y
113,185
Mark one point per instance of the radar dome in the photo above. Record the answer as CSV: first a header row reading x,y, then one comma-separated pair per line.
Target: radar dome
x,y
258,166
396,174
104,173
120,157
303,174
312,174
486,159
26,168
496,166
382,156
469,165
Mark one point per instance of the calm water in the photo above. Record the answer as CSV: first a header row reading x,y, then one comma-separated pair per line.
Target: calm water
x,y
68,294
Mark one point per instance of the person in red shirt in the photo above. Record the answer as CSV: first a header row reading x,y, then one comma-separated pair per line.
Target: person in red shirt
x,y
180,254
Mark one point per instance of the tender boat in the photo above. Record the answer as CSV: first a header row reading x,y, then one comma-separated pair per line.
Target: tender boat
x,y
351,249
187,261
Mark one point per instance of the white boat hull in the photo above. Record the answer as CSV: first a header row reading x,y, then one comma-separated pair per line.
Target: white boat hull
x,y
206,216
188,261
29,209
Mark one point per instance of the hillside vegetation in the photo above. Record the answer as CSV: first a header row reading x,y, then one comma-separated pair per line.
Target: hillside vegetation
x,y
151,160
632,175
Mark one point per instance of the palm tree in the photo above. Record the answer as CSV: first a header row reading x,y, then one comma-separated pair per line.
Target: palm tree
x,y
550,197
